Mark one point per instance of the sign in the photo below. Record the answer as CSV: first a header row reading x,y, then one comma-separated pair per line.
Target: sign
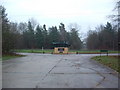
x,y
106,51
103,50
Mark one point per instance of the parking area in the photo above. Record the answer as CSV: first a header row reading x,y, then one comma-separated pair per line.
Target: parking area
x,y
57,71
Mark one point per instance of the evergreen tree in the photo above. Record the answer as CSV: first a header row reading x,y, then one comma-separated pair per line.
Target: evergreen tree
x,y
30,36
75,40
7,40
45,37
54,35
63,33
39,37
105,37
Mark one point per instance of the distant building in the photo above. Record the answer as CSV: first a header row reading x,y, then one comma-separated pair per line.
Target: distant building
x,y
60,47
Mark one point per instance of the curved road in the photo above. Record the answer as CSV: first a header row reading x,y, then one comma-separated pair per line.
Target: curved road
x,y
57,71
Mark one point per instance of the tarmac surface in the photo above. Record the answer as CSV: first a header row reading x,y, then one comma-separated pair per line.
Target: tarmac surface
x,y
0,73
57,71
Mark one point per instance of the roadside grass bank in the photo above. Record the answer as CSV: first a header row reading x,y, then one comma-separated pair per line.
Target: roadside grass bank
x,y
34,50
91,51
110,61
10,56
70,51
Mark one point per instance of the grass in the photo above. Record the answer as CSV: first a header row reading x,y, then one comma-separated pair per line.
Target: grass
x,y
34,51
70,51
87,51
110,61
10,56
92,51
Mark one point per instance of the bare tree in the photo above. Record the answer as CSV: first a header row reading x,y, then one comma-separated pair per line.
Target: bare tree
x,y
34,23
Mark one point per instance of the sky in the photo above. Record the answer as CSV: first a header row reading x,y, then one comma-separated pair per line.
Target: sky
x,y
88,14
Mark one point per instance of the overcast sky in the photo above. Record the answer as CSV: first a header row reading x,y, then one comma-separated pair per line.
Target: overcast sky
x,y
86,13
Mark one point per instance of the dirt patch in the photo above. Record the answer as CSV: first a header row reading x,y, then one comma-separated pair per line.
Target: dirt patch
x,y
118,57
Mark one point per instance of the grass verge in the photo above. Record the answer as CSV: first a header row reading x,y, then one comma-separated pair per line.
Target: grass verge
x,y
51,50
34,51
92,51
110,61
10,56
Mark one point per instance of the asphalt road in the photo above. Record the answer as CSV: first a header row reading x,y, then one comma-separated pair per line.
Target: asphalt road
x,y
0,74
57,71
